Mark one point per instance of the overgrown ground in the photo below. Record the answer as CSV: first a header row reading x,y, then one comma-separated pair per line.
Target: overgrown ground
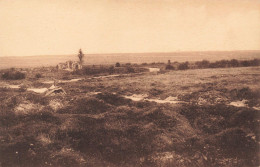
x,y
94,125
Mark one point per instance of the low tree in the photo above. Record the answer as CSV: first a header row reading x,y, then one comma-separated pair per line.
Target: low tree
x,y
81,56
117,64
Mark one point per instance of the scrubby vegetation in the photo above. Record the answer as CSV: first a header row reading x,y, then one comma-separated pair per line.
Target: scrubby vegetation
x,y
94,124
113,131
12,74
104,70
227,63
183,66
169,67
117,64
218,64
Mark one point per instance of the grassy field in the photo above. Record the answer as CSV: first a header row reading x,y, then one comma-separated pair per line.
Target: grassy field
x,y
94,124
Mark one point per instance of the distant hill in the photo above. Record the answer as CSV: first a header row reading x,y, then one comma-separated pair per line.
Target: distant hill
x,y
112,58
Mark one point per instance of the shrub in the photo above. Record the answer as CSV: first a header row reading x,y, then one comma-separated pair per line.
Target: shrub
x,y
13,75
111,69
95,70
117,64
245,63
203,64
104,70
130,70
255,62
223,63
169,67
184,66
234,63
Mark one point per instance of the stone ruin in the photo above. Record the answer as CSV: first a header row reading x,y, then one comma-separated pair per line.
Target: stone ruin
x,y
69,65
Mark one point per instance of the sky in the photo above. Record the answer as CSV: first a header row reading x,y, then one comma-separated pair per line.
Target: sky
x,y
56,27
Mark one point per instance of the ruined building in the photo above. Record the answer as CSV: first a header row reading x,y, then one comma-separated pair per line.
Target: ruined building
x,y
69,65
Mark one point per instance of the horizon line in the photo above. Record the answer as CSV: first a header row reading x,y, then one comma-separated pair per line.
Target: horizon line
x,y
135,53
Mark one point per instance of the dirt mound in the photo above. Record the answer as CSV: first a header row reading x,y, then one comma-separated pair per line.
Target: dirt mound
x,y
27,142
236,142
230,131
246,118
210,124
88,105
112,99
108,130
243,93
251,96
159,117
123,134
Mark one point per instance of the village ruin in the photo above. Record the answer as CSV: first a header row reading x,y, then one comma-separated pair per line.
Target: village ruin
x,y
69,66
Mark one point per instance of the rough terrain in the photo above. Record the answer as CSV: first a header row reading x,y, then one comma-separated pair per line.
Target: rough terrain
x,y
213,121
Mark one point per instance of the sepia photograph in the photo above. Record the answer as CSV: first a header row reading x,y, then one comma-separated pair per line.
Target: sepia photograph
x,y
129,83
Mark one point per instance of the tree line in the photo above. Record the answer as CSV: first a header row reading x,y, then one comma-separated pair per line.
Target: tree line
x,y
207,64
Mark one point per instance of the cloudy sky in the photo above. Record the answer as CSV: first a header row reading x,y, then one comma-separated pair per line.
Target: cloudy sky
x,y
47,27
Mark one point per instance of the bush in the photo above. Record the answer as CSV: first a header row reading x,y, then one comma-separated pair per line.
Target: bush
x,y
203,64
111,69
169,67
130,70
184,66
220,64
255,62
117,64
245,63
105,70
13,75
234,63
223,63
95,70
